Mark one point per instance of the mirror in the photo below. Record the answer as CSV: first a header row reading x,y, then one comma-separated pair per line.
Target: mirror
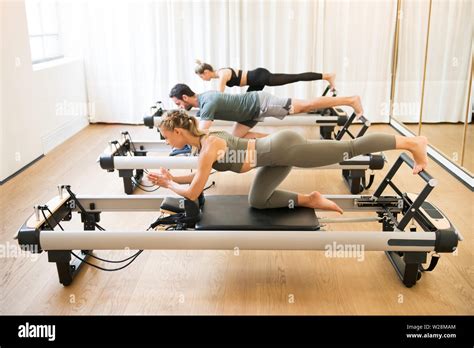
x,y
432,75
447,76
468,153
408,63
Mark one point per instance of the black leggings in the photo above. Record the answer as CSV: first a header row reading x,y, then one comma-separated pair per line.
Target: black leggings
x,y
259,78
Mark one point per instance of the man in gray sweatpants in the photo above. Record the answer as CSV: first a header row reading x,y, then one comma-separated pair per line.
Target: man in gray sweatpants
x,y
250,108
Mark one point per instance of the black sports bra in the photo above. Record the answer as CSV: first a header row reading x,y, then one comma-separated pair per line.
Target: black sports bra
x,y
234,78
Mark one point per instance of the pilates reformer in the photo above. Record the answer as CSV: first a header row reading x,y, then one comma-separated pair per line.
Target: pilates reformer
x,y
130,159
228,223
326,119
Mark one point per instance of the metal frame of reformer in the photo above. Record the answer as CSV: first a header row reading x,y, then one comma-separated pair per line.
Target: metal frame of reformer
x,y
353,171
131,168
407,251
327,123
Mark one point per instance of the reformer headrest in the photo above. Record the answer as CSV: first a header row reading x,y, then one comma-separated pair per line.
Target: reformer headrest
x,y
187,213
178,204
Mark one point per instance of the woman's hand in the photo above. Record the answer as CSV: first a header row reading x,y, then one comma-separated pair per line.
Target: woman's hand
x,y
207,157
162,178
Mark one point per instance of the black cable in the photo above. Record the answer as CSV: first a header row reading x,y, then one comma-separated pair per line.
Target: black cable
x,y
114,261
107,269
91,255
131,258
131,141
143,187
207,188
42,208
142,184
81,208
57,223
117,148
134,148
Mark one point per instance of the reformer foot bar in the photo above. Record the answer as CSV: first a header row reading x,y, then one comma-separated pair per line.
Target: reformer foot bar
x,y
227,223
130,159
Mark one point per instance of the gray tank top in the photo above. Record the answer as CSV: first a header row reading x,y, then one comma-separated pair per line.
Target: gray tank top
x,y
235,154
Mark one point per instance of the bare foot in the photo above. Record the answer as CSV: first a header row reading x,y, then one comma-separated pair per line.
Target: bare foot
x,y
419,152
357,106
331,78
318,201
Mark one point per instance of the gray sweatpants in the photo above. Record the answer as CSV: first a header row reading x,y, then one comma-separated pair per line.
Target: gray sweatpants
x,y
280,151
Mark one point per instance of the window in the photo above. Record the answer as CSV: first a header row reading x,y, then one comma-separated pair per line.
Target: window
x,y
43,29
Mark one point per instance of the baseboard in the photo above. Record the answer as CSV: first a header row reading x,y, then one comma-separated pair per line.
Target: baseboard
x,y
21,169
63,133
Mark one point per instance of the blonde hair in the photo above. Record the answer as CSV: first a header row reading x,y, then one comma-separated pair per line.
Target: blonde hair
x,y
180,119
200,67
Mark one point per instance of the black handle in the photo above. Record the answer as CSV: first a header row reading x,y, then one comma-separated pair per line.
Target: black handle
x,y
423,174
364,120
328,88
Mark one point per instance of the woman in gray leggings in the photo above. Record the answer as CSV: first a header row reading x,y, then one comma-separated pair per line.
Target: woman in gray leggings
x,y
274,156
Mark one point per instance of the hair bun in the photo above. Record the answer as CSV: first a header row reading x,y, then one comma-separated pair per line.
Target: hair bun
x,y
198,62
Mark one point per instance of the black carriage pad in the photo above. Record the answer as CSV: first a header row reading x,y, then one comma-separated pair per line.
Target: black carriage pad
x,y
234,213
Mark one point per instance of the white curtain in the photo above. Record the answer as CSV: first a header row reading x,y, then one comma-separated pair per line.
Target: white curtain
x,y
357,44
448,60
135,51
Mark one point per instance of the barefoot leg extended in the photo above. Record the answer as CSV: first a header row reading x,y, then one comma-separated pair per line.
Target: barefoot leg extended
x,y
300,105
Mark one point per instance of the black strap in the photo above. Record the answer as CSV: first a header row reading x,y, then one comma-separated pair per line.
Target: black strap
x,y
168,220
433,263
371,181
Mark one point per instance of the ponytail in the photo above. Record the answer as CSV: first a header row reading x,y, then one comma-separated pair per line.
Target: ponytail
x,y
201,67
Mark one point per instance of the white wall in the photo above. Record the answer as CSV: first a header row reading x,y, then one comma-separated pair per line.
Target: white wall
x,y
2,133
39,108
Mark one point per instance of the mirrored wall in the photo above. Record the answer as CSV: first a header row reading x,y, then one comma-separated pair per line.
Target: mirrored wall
x,y
432,78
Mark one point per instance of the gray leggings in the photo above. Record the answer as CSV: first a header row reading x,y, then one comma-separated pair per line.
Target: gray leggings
x,y
279,152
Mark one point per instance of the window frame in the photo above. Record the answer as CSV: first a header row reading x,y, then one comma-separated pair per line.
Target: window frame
x,y
45,58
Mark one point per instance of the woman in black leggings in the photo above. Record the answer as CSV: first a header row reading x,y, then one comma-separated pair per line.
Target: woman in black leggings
x,y
256,79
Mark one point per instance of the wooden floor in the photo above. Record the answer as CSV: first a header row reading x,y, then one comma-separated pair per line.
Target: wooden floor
x,y
218,282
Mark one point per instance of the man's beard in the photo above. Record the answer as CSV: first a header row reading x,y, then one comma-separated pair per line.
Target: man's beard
x,y
189,107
